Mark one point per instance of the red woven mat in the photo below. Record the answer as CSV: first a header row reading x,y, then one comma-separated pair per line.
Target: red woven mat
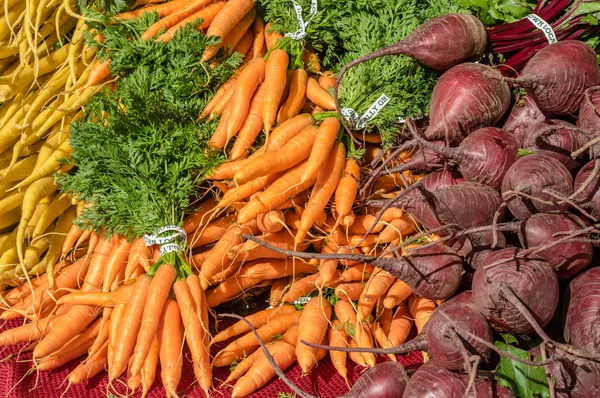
x,y
323,381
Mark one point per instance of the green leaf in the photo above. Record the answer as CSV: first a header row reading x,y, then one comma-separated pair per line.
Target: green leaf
x,y
524,152
509,338
524,380
281,394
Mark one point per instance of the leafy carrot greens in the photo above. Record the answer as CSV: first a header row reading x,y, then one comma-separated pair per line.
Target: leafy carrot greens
x,y
140,154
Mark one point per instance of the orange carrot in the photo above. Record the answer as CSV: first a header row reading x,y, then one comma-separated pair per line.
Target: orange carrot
x,y
299,288
250,250
271,222
312,327
248,189
377,285
261,371
310,59
99,72
211,232
338,338
296,97
274,269
277,291
72,236
157,294
100,299
259,36
199,299
245,87
345,313
170,336
257,320
95,275
242,367
235,36
174,18
207,15
138,255
421,309
194,335
91,367
29,332
349,291
318,95
130,326
113,329
219,138
400,326
323,190
229,16
229,289
398,292
381,339
287,130
271,37
115,261
326,136
276,325
398,228
93,242
223,94
292,153
285,187
327,81
148,372
251,127
275,77
162,9
345,193
198,217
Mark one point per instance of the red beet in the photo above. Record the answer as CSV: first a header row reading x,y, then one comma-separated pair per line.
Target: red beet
x,y
576,378
385,380
433,380
524,114
558,75
467,97
582,323
557,139
589,113
498,290
484,156
441,179
535,176
590,197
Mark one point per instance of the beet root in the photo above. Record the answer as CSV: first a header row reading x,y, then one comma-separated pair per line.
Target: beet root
x,y
498,289
441,179
589,113
446,340
582,323
567,258
523,115
433,380
558,75
385,380
526,185
557,139
484,156
467,97
576,379
590,194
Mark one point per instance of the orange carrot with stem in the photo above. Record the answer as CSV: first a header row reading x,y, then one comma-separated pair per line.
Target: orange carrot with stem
x,y
130,326
157,294
271,37
72,236
117,258
287,130
347,188
170,336
323,190
327,81
275,78
296,97
194,335
219,138
229,16
207,15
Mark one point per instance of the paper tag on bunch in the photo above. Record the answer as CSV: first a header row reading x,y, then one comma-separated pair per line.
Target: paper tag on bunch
x,y
544,26
359,123
167,243
300,34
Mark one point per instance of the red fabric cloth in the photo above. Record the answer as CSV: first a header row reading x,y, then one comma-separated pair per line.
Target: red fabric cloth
x,y
323,381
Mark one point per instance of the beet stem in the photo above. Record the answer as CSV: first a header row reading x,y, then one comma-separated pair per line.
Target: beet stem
x,y
397,152
271,360
527,196
491,346
584,148
588,180
497,216
512,298
455,337
419,343
548,372
568,201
